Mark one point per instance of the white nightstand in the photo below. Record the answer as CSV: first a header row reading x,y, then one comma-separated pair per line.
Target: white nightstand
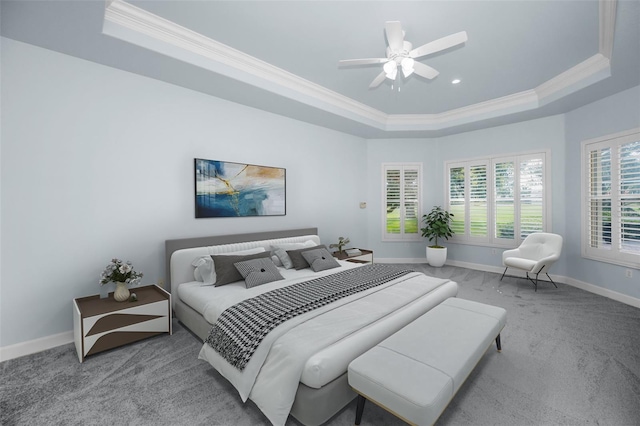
x,y
102,324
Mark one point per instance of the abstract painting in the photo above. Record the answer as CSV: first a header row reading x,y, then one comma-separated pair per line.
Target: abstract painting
x,y
225,189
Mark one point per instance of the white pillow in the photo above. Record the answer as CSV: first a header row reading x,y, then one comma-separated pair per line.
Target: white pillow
x,y
280,250
276,260
205,270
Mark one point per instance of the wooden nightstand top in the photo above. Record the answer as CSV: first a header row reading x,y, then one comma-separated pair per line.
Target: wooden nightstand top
x,y
345,256
94,305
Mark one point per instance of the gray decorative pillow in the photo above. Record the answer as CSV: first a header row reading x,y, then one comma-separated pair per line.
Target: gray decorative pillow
x,y
258,271
297,260
226,272
280,250
320,259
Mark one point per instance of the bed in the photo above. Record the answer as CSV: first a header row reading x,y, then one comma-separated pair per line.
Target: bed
x,y
306,357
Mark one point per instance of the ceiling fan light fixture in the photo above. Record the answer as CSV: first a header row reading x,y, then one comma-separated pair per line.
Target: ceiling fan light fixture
x,y
391,70
407,66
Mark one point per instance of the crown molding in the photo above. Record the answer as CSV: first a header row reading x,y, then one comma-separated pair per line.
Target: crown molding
x,y
137,26
607,17
509,104
580,76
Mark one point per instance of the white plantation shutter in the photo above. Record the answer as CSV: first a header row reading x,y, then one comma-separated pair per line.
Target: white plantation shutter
x,y
392,201
531,195
629,202
599,228
611,209
457,199
402,201
478,203
499,200
411,200
506,191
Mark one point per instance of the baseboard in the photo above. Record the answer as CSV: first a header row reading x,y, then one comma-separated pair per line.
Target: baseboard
x,y
44,343
395,260
36,345
610,294
591,288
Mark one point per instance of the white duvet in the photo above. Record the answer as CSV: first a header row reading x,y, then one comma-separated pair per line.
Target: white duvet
x,y
272,375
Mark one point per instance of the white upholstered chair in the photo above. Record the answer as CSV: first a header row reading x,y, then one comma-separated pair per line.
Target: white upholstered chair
x,y
536,254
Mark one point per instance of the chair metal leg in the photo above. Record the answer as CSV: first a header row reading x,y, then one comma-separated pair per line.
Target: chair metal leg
x,y
535,283
554,284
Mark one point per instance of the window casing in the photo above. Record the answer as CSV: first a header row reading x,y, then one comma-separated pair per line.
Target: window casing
x,y
611,198
402,201
500,200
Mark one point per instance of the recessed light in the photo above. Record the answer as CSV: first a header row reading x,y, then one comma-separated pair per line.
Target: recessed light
x,y
455,81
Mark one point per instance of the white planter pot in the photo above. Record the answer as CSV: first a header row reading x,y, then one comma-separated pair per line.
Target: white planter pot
x,y
436,256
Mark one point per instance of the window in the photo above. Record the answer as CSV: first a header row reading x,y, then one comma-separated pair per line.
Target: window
x,y
611,198
401,201
498,200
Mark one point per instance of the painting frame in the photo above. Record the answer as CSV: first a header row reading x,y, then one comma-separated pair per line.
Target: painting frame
x,y
231,189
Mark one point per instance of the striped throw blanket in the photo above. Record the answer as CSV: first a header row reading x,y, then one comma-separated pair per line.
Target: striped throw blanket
x,y
241,328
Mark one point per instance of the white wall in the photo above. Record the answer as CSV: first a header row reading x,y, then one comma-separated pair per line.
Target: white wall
x,y
98,163
607,116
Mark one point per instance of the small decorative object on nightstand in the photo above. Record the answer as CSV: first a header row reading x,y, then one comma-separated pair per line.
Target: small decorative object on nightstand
x,y
102,324
355,255
122,274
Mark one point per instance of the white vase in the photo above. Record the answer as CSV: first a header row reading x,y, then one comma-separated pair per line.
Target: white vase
x,y
436,256
122,292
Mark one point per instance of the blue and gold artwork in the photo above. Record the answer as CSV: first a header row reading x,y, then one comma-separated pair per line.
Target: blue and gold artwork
x,y
225,189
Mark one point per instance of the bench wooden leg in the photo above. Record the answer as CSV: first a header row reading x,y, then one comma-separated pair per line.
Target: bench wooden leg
x,y
498,345
360,408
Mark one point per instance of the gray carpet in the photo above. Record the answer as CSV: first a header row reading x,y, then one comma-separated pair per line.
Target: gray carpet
x,y
569,358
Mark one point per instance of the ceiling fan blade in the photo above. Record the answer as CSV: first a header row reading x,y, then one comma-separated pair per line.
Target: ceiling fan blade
x,y
378,80
395,38
424,70
440,44
364,61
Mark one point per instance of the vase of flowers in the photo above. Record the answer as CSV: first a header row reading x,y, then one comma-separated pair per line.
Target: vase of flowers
x,y
122,274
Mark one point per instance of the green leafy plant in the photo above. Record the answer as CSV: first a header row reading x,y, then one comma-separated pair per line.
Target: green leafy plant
x,y
342,241
437,225
119,271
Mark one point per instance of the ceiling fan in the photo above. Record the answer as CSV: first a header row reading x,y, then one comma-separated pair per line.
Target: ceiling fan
x,y
401,55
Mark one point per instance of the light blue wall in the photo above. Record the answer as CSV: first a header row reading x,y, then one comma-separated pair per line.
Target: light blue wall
x,y
399,151
535,135
98,163
605,117
562,135
542,134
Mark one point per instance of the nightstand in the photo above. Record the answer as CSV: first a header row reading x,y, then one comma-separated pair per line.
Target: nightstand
x,y
366,256
103,324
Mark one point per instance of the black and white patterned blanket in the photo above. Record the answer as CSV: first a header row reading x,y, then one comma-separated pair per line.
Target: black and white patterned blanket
x,y
241,328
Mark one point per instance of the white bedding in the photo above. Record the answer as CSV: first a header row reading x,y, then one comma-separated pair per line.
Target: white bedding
x,y
210,301
316,347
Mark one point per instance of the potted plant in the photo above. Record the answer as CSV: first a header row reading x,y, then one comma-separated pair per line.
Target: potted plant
x,y
342,241
437,225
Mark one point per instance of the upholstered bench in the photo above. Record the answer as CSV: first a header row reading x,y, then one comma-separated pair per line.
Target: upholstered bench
x,y
415,373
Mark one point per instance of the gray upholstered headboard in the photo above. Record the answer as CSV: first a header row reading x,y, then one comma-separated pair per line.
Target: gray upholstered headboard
x,y
172,245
